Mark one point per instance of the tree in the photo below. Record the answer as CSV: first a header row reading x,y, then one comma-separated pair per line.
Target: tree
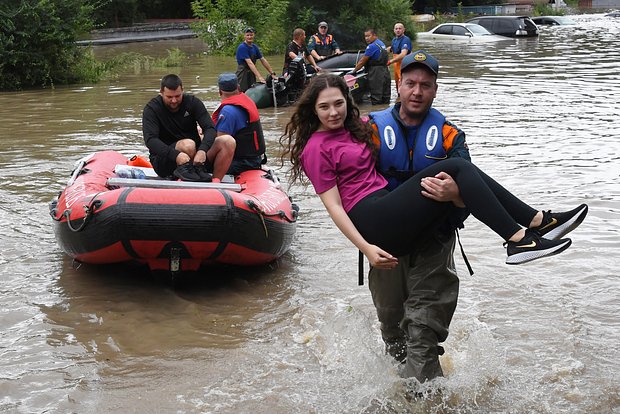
x,y
274,21
37,41
348,19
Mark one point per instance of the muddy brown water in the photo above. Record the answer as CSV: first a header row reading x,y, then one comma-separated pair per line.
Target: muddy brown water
x,y
541,115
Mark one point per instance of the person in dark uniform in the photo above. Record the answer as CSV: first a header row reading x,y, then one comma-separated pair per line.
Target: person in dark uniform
x,y
247,55
322,45
375,61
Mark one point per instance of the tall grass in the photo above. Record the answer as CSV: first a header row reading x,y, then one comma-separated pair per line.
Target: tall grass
x,y
92,70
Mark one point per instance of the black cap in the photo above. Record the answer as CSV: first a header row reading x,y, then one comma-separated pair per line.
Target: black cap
x,y
249,30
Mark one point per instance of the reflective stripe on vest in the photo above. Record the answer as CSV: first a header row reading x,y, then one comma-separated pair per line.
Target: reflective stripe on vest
x,y
401,156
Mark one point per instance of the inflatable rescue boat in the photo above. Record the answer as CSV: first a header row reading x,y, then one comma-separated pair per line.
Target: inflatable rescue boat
x,y
105,215
286,89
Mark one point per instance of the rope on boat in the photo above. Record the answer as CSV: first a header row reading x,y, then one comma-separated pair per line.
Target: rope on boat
x,y
281,214
89,210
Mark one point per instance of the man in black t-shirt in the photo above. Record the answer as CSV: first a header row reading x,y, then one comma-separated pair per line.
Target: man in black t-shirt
x,y
298,48
170,124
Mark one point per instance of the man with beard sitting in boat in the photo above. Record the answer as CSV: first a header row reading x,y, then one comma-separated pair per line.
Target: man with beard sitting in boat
x,y
237,116
170,123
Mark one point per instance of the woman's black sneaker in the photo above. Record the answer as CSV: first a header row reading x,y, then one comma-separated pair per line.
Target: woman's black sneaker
x,y
187,172
532,246
556,225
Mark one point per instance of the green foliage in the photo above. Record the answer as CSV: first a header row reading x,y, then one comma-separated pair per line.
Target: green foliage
x,y
92,70
37,42
225,20
176,57
545,9
274,21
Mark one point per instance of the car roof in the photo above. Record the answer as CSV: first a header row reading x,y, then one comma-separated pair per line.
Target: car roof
x,y
500,17
458,24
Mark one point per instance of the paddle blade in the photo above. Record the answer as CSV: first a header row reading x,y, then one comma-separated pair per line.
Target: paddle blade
x,y
350,80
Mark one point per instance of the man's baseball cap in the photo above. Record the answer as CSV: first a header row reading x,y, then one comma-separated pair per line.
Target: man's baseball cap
x,y
323,24
420,57
227,82
249,30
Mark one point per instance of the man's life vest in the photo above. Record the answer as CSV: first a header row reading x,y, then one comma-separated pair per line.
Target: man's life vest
x,y
250,140
401,155
323,46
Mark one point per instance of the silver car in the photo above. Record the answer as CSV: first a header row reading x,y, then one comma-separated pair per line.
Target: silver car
x,y
459,32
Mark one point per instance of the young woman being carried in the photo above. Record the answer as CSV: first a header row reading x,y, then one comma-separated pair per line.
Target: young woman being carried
x,y
327,140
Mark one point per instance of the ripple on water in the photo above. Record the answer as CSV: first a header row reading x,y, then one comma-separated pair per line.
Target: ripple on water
x,y
540,116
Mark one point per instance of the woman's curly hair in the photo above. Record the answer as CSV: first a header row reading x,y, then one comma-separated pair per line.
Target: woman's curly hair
x,y
305,122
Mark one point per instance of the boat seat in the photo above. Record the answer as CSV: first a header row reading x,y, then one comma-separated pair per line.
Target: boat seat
x,y
142,183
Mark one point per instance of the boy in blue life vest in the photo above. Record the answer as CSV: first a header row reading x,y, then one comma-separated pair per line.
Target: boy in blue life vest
x,y
415,301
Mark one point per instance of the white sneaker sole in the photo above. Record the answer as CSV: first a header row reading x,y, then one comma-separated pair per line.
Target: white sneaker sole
x,y
567,227
528,256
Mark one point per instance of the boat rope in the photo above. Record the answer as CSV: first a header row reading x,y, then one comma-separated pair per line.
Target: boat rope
x,y
89,210
260,213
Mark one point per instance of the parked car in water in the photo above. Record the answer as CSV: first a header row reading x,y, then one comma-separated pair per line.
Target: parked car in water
x,y
613,14
552,21
459,32
510,26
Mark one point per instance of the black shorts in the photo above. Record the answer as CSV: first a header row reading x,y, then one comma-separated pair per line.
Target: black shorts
x,y
164,167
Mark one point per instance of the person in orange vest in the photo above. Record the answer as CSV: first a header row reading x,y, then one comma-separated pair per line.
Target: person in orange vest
x,y
322,45
400,47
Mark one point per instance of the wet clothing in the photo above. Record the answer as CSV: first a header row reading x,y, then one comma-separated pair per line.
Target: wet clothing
x,y
379,79
238,116
415,301
162,129
323,45
245,76
398,45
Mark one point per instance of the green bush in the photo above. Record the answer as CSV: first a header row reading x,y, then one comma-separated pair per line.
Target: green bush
x,y
37,42
274,21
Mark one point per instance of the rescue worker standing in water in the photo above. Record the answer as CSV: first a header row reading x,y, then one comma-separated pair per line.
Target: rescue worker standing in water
x,y
247,55
375,61
416,300
400,47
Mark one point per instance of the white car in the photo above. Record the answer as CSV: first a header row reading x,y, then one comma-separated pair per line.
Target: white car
x,y
459,32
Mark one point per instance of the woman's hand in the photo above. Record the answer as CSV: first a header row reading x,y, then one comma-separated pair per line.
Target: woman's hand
x,y
380,258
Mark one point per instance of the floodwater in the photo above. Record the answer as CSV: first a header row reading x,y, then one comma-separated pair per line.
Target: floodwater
x,y
541,115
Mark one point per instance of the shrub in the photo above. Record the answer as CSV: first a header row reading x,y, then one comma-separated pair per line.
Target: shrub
x,y
37,42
